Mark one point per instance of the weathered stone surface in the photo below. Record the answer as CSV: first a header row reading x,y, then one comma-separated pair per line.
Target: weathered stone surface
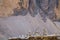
x,y
6,7
57,10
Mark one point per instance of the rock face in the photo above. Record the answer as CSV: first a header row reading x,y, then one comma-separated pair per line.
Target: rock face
x,y
6,7
57,10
